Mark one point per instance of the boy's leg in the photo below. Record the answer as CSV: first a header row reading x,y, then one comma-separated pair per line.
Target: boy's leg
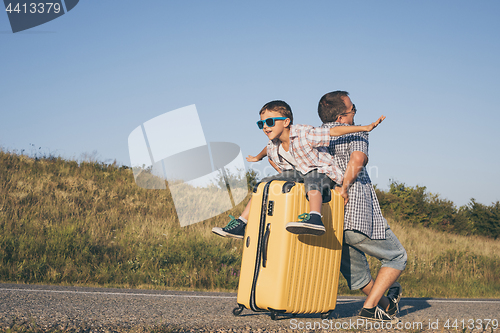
x,y
315,200
236,227
310,223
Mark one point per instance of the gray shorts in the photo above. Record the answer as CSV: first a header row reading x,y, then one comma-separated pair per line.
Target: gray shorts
x,y
313,180
354,266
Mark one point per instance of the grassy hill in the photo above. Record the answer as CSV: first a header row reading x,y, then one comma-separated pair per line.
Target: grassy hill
x,y
63,222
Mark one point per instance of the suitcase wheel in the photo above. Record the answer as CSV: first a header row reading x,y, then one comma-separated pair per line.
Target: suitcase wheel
x,y
273,314
326,315
237,311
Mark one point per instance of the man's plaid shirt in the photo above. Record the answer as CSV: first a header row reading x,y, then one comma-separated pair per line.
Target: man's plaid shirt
x,y
362,212
304,143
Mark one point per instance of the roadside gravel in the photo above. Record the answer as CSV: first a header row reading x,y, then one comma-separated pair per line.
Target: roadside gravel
x,y
51,308
33,308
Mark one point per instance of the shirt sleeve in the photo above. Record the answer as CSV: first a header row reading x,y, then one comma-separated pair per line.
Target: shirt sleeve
x,y
359,142
318,136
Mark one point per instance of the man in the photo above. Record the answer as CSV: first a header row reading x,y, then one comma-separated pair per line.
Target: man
x,y
365,229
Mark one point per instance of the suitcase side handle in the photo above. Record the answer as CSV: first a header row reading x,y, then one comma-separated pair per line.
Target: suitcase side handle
x,y
265,244
287,187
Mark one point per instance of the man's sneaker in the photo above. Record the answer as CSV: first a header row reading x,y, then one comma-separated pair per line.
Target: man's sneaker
x,y
309,224
377,314
234,229
394,295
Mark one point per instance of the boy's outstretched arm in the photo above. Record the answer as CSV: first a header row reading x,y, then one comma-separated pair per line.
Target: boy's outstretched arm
x,y
341,130
259,157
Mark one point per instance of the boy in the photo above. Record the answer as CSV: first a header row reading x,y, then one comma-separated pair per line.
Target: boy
x,y
293,150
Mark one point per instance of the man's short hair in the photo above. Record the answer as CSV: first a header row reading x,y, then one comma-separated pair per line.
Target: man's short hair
x,y
278,106
331,106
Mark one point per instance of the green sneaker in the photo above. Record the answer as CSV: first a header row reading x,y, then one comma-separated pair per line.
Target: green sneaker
x,y
309,224
234,229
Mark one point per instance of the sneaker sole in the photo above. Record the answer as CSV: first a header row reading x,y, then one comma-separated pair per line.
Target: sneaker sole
x,y
393,321
220,232
305,229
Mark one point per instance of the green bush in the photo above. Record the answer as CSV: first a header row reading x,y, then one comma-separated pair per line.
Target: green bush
x,y
414,205
485,219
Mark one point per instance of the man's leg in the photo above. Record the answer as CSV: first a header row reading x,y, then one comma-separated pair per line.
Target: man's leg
x,y
375,290
355,267
236,227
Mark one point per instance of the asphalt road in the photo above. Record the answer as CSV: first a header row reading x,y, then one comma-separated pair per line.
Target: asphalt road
x,y
120,310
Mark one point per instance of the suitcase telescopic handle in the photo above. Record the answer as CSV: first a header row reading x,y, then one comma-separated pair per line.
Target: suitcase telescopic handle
x,y
265,244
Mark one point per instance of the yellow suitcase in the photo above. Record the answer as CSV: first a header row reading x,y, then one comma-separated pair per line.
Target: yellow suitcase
x,y
286,273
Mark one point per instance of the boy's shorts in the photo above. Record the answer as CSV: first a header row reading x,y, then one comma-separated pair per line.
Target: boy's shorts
x,y
313,180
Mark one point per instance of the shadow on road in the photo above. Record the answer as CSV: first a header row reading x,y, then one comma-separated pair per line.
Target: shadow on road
x,y
351,308
411,305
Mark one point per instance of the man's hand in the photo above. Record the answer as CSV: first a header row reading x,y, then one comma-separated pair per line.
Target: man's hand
x,y
343,193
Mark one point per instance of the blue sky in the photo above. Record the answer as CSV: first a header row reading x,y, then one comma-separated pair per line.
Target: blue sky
x,y
83,82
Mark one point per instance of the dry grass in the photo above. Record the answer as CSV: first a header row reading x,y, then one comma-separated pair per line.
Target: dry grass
x,y
63,222
441,264
426,243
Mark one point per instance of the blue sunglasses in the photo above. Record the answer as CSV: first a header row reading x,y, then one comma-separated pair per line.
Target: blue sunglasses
x,y
270,122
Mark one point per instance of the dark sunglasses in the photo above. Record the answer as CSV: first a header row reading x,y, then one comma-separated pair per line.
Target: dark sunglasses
x,y
352,110
270,122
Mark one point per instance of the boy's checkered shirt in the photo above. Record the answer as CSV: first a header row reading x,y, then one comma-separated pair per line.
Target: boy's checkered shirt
x,y
305,144
362,211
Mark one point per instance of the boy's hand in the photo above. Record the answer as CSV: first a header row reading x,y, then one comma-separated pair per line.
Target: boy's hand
x,y
251,158
375,124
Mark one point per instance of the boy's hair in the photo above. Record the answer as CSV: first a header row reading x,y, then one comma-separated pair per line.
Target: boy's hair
x,y
278,106
331,106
